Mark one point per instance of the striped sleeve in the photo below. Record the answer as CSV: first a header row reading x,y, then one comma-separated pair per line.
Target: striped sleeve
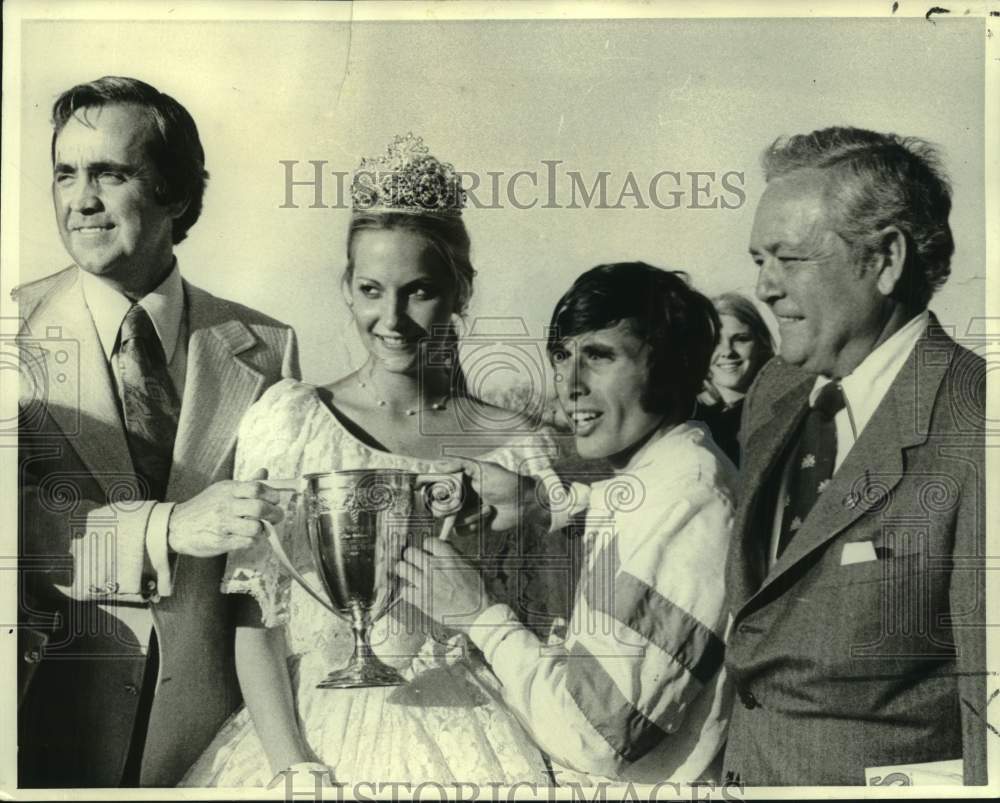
x,y
645,636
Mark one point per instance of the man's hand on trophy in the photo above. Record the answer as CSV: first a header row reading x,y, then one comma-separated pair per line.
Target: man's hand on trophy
x,y
443,585
499,498
224,517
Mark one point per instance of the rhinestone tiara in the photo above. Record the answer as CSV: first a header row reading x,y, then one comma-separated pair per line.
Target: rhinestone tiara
x,y
407,179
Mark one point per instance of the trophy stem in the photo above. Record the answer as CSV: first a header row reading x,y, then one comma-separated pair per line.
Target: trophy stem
x,y
364,668
362,649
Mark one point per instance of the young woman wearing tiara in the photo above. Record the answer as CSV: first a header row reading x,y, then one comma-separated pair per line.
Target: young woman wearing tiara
x,y
408,276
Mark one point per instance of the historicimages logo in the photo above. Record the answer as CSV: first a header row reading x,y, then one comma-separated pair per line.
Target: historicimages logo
x,y
45,366
310,782
550,184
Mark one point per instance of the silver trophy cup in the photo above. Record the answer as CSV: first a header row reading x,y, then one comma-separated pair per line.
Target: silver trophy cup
x,y
358,523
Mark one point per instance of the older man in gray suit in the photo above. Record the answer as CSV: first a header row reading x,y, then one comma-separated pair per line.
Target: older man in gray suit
x,y
135,385
857,642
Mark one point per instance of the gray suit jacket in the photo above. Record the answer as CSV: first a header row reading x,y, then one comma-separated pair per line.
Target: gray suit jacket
x,y
85,577
843,667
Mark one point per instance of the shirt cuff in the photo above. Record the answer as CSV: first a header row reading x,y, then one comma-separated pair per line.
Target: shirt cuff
x,y
491,627
569,502
160,582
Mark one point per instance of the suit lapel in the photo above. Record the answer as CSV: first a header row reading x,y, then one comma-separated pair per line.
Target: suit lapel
x,y
219,387
874,466
83,405
762,455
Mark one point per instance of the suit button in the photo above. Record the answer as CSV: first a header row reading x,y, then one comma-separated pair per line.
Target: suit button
x,y
32,656
746,697
131,689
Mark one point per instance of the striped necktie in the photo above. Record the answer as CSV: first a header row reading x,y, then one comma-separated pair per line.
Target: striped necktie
x,y
149,402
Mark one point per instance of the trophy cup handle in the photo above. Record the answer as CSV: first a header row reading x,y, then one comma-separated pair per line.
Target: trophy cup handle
x,y
280,554
284,483
443,492
447,526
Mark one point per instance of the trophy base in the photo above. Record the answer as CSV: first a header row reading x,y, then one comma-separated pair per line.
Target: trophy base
x,y
362,675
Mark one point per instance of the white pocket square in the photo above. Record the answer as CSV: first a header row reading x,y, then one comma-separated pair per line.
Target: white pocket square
x,y
858,552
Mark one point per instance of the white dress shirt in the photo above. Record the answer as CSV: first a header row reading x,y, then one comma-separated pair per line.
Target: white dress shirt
x,y
864,388
166,308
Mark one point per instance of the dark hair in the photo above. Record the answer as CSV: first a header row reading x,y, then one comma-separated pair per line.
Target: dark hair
x,y
877,180
679,324
449,238
175,149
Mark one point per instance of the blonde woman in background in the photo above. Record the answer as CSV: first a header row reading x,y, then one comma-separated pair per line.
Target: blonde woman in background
x,y
745,344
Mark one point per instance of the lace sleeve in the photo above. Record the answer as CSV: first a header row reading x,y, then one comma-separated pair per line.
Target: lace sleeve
x,y
270,437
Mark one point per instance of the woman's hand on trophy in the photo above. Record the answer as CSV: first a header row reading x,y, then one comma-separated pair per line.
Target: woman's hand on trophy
x,y
442,584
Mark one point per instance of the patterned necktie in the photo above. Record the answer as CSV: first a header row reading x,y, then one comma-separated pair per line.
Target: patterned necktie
x,y
149,402
814,458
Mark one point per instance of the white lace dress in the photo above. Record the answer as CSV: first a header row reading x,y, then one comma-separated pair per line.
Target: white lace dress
x,y
448,724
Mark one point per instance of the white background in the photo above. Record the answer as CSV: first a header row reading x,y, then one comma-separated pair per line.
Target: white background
x,y
639,95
